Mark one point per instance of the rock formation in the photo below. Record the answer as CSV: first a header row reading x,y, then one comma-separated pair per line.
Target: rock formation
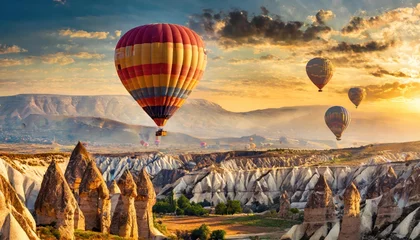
x,y
382,184
320,208
284,209
76,168
94,200
55,203
146,198
114,193
388,210
350,227
16,222
124,220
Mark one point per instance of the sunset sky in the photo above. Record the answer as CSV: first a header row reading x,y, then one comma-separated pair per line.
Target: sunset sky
x,y
257,50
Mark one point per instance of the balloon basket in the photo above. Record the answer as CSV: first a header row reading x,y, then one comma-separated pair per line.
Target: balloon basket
x,y
319,90
161,133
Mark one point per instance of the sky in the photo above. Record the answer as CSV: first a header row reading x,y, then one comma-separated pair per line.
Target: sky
x,y
257,49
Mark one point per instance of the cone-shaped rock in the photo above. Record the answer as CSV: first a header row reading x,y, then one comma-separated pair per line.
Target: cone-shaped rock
x,y
114,193
320,207
55,203
124,220
284,209
350,227
382,184
16,222
146,198
76,168
94,200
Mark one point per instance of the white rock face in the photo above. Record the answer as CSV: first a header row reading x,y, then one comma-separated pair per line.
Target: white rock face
x,y
113,167
416,232
333,234
404,228
26,183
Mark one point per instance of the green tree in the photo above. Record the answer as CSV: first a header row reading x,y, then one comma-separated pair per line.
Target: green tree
x,y
221,209
183,202
233,207
179,211
218,235
162,207
202,233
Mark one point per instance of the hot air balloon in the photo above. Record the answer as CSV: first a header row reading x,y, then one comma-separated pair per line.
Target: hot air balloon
x,y
357,95
320,71
203,144
251,139
157,142
252,146
146,144
159,65
142,142
337,120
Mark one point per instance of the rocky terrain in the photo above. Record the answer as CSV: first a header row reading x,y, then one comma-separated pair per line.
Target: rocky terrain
x,y
327,185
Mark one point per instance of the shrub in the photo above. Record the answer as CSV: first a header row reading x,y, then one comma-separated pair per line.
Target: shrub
x,y
221,209
162,207
202,233
294,210
233,207
183,202
195,210
218,235
179,212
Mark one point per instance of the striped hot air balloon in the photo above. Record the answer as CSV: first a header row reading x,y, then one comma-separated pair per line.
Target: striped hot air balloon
x,y
356,95
337,120
159,65
320,71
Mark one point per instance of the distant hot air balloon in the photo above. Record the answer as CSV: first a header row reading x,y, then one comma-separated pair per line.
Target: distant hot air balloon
x,y
146,144
320,71
157,142
203,144
251,139
252,146
357,95
142,142
159,65
337,120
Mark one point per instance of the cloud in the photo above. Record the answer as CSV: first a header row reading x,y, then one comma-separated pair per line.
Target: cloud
x,y
117,33
372,46
235,28
83,34
323,16
62,58
392,90
268,57
215,58
380,72
87,55
10,62
4,49
360,24
7,62
60,1
57,58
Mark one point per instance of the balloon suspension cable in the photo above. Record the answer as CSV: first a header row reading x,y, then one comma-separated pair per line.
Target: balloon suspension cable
x,y
320,90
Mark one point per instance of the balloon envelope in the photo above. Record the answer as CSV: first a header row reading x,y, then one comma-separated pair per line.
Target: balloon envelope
x,y
159,65
356,95
337,120
320,71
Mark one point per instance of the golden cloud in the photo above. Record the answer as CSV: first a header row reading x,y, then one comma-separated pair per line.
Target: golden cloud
x,y
83,34
4,49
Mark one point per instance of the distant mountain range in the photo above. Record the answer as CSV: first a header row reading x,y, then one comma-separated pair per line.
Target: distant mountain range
x,y
120,119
